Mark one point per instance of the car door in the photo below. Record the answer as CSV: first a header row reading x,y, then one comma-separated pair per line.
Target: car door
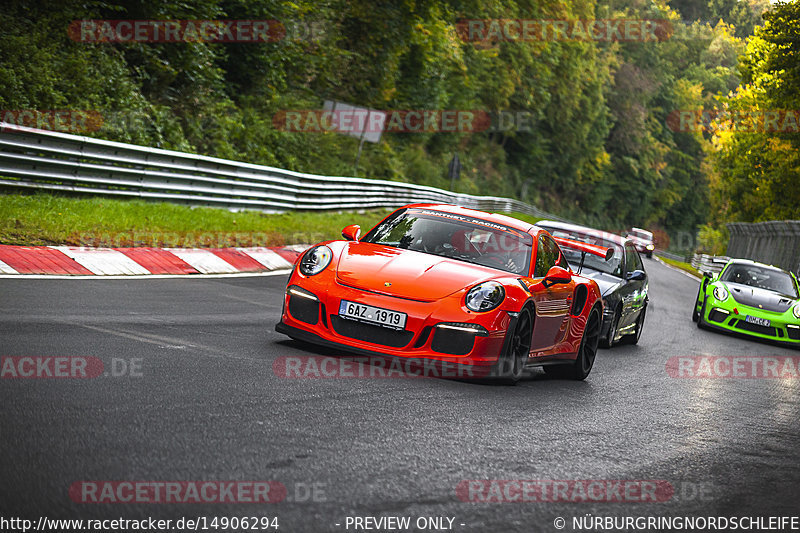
x,y
552,303
639,292
632,290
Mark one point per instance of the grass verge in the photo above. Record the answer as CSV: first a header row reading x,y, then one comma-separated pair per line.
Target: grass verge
x,y
683,266
46,219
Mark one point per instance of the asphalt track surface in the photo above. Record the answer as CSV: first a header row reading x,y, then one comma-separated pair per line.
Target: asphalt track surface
x,y
207,405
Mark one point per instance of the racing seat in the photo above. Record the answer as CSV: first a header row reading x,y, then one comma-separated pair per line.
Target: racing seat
x,y
462,244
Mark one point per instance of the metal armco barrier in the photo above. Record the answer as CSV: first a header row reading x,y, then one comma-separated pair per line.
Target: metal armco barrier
x,y
670,255
774,243
40,159
709,263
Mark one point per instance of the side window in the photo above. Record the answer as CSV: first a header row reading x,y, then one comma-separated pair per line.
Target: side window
x,y
632,261
562,261
639,265
547,255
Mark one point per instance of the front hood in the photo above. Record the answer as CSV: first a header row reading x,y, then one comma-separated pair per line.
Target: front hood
x,y
759,298
413,275
604,281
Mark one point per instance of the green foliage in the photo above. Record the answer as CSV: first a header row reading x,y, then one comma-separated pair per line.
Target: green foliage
x,y
598,148
758,166
711,240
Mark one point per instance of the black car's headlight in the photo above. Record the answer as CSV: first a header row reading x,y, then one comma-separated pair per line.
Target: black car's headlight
x,y
315,260
796,311
485,297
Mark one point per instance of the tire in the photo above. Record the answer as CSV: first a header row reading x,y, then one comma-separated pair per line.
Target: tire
x,y
511,365
649,255
701,323
587,352
608,340
634,337
695,314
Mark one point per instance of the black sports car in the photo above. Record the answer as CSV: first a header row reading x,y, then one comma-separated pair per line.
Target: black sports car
x,y
622,280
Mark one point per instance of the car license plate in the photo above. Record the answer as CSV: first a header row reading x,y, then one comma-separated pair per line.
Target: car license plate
x,y
756,320
373,315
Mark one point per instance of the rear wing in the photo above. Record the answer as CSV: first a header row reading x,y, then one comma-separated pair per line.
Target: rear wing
x,y
601,251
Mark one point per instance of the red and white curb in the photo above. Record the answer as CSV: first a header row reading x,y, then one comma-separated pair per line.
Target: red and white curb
x,y
18,261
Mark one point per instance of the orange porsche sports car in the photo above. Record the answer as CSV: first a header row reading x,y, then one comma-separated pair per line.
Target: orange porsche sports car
x,y
478,291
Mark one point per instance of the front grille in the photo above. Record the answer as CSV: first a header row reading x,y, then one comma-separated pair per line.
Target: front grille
x,y
452,341
794,333
304,309
369,333
423,337
717,316
755,328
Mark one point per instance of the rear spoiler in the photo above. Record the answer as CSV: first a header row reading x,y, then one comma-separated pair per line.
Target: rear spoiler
x,y
601,251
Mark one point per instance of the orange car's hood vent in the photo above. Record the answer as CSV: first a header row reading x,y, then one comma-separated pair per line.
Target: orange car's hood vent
x,y
405,273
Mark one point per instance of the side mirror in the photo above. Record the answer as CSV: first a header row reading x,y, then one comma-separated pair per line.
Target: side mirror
x,y
636,275
352,232
556,275
708,274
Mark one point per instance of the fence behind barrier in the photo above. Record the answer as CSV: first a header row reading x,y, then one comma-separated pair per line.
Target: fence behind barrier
x,y
776,242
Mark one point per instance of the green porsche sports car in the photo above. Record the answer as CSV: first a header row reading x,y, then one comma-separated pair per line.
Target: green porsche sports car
x,y
750,298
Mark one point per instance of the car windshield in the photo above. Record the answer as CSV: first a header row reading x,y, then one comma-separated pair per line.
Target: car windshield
x,y
456,237
760,277
644,235
613,266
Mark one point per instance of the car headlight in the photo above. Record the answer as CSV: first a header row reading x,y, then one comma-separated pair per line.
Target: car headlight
x,y
650,247
796,311
485,297
315,260
720,293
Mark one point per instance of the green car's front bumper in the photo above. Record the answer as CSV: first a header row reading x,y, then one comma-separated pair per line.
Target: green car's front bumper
x,y
730,315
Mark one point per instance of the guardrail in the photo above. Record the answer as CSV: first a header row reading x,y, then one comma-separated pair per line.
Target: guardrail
x,y
776,242
670,255
40,159
709,263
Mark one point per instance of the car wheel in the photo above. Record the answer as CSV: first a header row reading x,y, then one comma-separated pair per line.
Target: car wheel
x,y
608,340
649,255
695,314
634,337
511,366
587,352
701,323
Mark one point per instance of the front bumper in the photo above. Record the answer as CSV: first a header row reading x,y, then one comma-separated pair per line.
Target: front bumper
x,y
440,330
725,317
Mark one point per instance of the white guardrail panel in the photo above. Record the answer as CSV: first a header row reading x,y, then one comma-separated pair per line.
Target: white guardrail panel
x,y
709,263
41,159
